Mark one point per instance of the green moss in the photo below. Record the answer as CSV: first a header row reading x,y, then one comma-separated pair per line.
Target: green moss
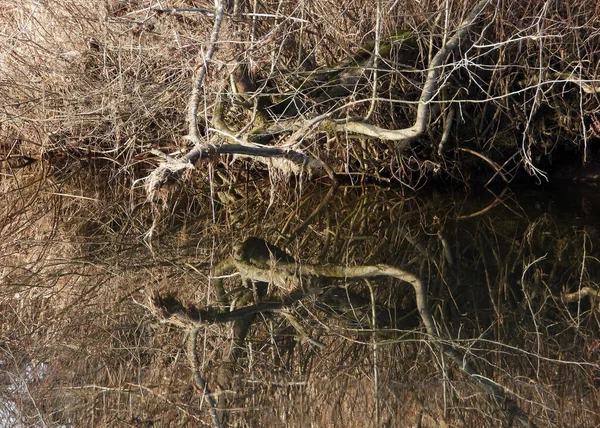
x,y
405,38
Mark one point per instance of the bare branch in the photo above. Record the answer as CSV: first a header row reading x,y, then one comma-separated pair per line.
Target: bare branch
x,y
193,132
428,93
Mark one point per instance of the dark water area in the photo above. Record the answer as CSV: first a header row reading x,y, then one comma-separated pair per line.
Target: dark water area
x,y
315,321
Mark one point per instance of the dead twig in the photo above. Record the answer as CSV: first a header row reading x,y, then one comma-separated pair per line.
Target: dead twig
x,y
404,136
200,381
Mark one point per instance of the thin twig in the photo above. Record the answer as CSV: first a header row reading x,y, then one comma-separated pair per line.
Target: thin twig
x,y
490,162
200,381
193,132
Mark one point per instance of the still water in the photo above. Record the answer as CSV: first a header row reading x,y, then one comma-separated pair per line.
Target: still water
x,y
117,312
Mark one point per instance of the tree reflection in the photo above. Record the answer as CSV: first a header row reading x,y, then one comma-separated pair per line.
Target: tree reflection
x,y
102,328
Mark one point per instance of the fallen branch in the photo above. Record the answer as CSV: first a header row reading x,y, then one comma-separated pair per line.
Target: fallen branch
x,y
288,160
291,160
285,158
428,93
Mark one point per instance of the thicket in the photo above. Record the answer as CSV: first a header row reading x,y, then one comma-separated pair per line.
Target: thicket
x,y
388,90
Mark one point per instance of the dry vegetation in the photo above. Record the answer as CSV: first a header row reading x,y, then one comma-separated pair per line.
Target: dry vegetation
x,y
519,87
97,98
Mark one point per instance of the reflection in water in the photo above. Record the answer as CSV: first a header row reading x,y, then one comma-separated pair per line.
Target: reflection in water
x,y
131,333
